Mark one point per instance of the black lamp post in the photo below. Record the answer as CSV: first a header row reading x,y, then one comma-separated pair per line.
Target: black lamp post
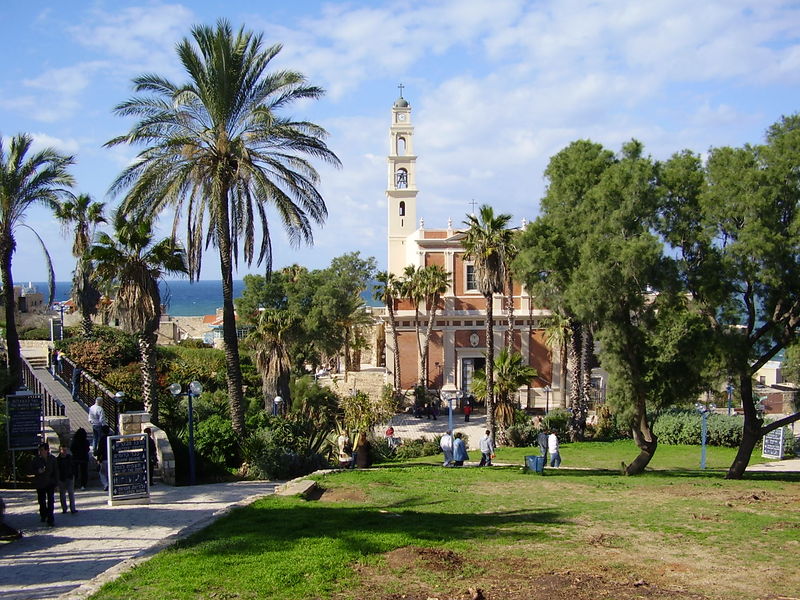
x,y
195,389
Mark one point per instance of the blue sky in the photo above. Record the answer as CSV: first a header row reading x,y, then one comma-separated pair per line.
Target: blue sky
x,y
496,89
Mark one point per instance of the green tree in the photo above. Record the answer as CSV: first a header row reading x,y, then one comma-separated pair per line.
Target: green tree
x,y
137,264
511,373
433,282
26,179
734,223
81,216
486,243
217,148
269,342
387,290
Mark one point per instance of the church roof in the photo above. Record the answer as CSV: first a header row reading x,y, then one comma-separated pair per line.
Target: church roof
x,y
401,103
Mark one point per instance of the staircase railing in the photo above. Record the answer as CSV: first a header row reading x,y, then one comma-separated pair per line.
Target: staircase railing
x,y
53,407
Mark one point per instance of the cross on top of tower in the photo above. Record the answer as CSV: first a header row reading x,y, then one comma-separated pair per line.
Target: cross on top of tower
x,y
473,202
401,86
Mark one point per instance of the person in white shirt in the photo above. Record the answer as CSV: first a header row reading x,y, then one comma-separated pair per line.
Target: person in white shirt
x,y
446,444
97,418
552,448
487,449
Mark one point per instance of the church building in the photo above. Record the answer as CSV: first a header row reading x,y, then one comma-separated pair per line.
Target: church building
x,y
458,339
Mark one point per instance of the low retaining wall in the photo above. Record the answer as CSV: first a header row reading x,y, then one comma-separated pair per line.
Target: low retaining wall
x,y
135,422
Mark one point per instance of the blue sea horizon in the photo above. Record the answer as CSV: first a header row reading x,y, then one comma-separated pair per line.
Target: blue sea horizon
x,y
183,299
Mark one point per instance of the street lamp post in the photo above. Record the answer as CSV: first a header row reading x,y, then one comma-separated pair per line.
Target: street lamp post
x,y
118,398
547,391
730,397
195,389
704,410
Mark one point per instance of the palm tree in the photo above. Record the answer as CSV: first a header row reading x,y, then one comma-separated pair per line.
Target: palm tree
x,y
411,289
83,215
433,283
557,334
270,345
387,290
41,178
511,373
137,264
216,148
486,244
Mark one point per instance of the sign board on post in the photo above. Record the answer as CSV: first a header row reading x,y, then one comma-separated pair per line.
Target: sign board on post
x,y
24,423
127,469
772,444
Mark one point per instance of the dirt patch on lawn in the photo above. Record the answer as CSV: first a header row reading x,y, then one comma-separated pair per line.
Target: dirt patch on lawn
x,y
338,495
437,574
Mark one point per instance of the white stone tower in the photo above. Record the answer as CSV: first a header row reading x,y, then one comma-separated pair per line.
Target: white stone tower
x,y
401,192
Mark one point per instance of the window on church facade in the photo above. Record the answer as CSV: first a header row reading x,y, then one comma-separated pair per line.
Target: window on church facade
x,y
470,284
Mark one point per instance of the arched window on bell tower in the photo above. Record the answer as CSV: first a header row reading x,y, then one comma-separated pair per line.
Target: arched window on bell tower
x,y
401,179
402,209
401,146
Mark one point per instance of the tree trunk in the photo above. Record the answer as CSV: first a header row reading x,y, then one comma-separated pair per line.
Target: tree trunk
x,y
396,353
645,440
490,423
348,365
587,348
147,351
509,337
751,429
234,371
420,373
426,343
574,363
7,246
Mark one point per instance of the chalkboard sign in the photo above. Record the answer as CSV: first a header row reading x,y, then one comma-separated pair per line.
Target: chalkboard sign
x,y
24,421
773,444
128,467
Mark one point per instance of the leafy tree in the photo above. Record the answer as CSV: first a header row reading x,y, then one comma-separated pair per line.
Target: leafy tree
x,y
82,216
25,179
486,243
217,148
137,264
511,373
734,223
387,290
433,282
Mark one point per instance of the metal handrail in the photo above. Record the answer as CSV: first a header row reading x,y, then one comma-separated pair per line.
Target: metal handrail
x,y
53,407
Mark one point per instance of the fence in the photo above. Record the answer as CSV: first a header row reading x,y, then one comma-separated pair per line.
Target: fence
x,y
53,407
85,388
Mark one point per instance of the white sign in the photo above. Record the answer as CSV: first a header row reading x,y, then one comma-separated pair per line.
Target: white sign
x,y
772,444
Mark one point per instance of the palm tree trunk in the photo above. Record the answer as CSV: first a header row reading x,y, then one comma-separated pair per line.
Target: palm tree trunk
x,y
147,350
420,374
587,349
234,371
7,246
426,343
396,353
574,364
490,424
510,314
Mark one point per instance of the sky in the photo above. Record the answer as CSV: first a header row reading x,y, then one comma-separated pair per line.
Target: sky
x,y
496,88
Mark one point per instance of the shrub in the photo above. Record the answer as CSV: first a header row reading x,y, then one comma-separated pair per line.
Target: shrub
x,y
607,428
268,458
193,343
522,436
380,451
215,440
35,333
557,420
420,447
682,426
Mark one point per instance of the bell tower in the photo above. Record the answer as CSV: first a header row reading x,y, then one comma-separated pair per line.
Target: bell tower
x,y
401,192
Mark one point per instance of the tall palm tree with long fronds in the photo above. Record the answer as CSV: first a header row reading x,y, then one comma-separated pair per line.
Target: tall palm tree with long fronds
x,y
511,373
486,245
26,179
269,342
387,290
80,216
217,149
137,263
433,283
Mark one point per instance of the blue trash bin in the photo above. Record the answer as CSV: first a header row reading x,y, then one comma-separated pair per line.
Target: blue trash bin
x,y
535,463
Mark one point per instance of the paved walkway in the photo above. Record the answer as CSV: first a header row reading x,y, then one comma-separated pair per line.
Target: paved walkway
x,y
408,427
85,550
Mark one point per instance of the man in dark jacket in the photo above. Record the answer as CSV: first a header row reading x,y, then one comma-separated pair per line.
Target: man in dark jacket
x,y
45,479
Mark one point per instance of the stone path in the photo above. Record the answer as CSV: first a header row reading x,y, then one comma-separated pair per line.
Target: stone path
x,y
408,427
84,550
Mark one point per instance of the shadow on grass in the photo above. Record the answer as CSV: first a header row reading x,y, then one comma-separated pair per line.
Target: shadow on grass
x,y
274,523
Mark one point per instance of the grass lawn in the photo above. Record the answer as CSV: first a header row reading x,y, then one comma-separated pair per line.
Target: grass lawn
x,y
418,532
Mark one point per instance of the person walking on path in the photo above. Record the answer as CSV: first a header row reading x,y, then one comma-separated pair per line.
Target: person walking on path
x,y
66,479
45,478
446,444
541,441
79,448
101,455
459,451
552,447
487,449
97,419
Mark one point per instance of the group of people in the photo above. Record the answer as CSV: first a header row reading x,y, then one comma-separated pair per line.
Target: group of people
x,y
547,440
455,451
51,472
353,455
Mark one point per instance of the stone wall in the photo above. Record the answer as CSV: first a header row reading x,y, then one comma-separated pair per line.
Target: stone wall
x,y
135,422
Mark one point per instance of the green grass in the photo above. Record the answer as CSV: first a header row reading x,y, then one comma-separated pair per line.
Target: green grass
x,y
582,520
